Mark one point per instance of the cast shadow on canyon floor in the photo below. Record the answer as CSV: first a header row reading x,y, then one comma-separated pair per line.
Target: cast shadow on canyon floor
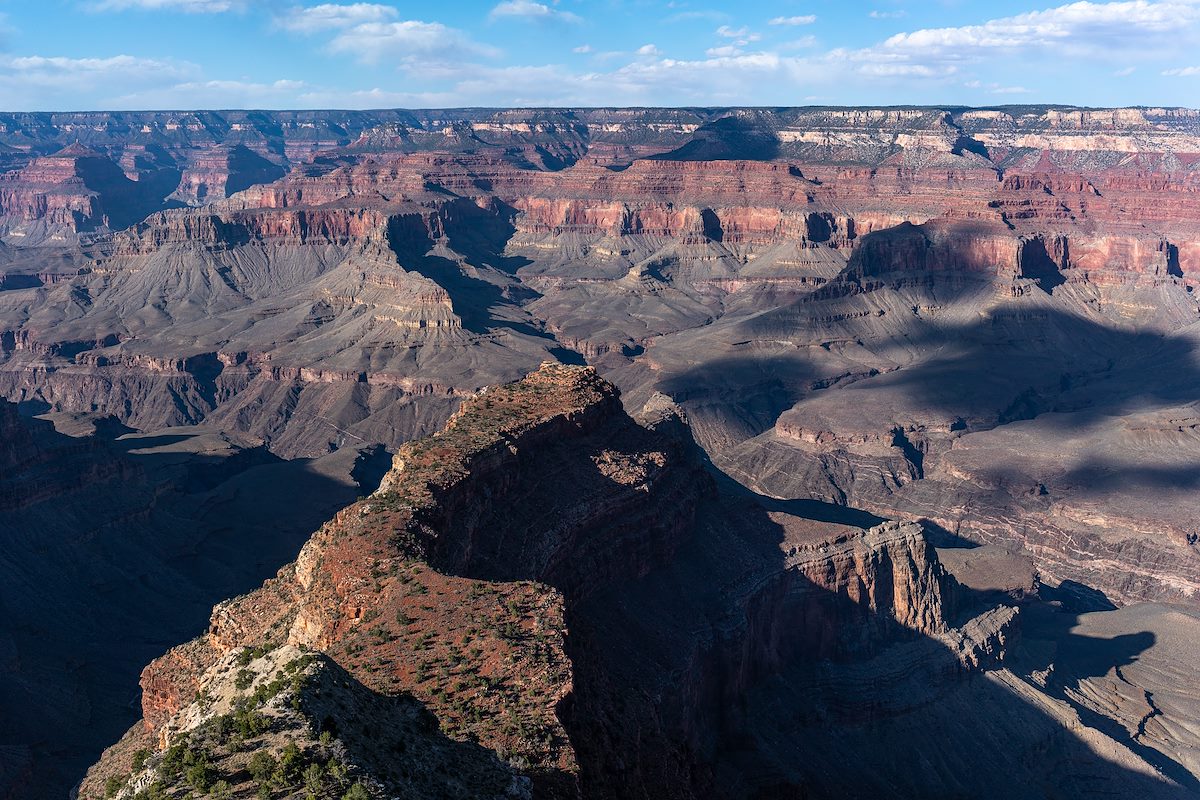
x,y
480,238
703,666
1051,646
124,559
969,706
802,703
1067,371
1074,368
726,139
483,305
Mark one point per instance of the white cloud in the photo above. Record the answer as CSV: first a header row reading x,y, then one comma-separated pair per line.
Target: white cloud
x,y
642,82
188,6
803,43
897,14
742,36
738,33
1081,25
531,10
996,88
875,69
1125,72
332,16
805,19
447,67
688,16
1078,30
372,42
30,82
219,94
60,70
375,98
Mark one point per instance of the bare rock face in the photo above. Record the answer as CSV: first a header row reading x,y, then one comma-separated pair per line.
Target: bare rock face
x,y
71,191
425,528
18,448
223,171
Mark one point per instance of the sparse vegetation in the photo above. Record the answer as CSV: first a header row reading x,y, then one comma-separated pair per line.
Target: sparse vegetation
x,y
291,763
250,653
314,779
262,765
113,785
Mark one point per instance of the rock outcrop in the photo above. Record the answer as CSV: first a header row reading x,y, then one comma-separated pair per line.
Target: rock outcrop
x,y
599,634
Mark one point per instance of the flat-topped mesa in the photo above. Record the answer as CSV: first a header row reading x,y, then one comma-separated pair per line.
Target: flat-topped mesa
x,y
918,152
390,179
939,247
353,203
953,249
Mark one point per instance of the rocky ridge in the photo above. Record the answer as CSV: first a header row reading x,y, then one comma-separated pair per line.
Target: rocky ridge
x,y
518,615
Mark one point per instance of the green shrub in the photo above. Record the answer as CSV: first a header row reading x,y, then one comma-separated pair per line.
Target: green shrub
x,y
250,653
245,720
357,792
291,762
113,785
139,759
303,662
244,678
172,764
314,778
337,772
200,774
262,766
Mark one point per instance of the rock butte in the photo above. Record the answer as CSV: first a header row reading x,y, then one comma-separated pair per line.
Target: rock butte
x,y
886,411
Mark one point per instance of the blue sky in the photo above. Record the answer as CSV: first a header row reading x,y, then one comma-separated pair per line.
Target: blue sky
x,y
178,54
